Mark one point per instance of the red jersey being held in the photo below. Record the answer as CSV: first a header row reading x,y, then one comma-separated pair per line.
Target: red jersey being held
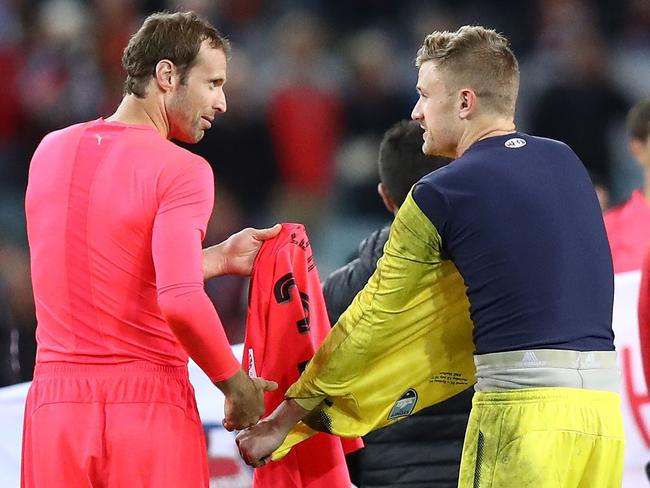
x,y
287,322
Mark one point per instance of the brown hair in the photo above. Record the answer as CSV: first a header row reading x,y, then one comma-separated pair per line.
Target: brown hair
x,y
176,37
638,120
477,58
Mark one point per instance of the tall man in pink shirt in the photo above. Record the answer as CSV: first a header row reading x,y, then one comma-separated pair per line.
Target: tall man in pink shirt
x,y
116,214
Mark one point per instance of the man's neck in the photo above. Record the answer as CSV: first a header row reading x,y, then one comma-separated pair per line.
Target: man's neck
x,y
141,111
491,128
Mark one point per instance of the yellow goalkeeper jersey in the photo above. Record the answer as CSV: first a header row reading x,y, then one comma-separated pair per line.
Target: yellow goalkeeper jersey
x,y
404,343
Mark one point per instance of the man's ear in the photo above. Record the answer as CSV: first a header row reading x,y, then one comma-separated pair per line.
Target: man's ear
x,y
164,74
389,203
467,103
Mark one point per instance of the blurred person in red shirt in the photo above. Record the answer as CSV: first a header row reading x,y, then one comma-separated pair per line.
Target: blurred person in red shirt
x,y
628,225
305,119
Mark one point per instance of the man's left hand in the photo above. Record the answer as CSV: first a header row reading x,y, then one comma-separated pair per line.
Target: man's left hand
x,y
236,254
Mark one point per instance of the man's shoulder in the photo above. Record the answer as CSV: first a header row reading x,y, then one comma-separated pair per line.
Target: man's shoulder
x,y
174,159
177,167
452,175
513,145
169,150
475,163
66,132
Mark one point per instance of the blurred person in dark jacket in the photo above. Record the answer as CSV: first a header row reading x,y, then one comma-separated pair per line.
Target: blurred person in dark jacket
x,y
394,456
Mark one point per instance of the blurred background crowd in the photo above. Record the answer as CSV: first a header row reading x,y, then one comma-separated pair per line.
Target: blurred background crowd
x,y
312,86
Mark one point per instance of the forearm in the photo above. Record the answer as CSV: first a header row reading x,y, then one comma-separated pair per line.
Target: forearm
x,y
179,265
195,323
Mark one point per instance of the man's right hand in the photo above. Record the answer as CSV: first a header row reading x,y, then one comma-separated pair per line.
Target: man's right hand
x,y
257,443
244,400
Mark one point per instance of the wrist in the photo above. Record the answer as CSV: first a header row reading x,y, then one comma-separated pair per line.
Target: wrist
x,y
234,386
288,414
214,261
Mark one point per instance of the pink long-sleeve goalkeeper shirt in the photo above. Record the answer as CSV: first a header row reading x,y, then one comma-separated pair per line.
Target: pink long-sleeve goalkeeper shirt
x,y
115,219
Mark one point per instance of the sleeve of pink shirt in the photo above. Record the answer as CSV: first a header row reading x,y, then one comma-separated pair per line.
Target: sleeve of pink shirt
x,y
186,195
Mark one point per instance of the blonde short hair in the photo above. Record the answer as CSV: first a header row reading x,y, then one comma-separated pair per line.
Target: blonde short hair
x,y
476,58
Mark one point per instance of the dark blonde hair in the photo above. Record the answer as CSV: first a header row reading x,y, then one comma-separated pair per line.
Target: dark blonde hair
x,y
476,58
173,36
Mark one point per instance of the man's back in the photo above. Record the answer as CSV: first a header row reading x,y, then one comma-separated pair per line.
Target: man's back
x,y
519,218
95,192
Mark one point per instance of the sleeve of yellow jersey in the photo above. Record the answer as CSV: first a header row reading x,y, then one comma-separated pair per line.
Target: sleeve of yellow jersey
x,y
404,343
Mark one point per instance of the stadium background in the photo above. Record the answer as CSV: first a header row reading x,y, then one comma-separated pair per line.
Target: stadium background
x,y
312,86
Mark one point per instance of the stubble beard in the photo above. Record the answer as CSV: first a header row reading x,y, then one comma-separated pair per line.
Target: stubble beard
x,y
189,125
197,132
189,129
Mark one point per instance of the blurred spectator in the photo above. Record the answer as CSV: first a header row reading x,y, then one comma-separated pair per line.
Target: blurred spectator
x,y
356,176
631,62
11,38
114,23
305,118
371,104
17,319
9,334
628,225
636,29
581,107
59,80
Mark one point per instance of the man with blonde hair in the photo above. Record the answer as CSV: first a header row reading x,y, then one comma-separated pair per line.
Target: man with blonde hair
x,y
518,217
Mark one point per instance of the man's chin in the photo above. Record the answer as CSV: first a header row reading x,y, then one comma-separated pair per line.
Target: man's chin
x,y
428,149
190,138
198,136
